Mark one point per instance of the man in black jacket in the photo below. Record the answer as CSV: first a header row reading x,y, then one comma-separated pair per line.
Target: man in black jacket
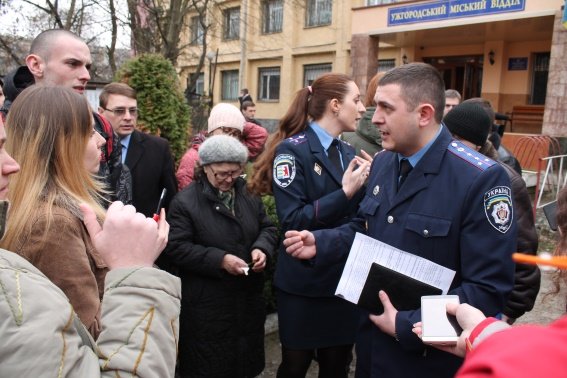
x,y
148,157
470,123
60,58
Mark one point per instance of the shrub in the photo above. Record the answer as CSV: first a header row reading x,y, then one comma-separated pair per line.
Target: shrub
x,y
163,109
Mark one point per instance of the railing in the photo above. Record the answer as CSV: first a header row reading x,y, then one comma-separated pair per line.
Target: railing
x,y
554,179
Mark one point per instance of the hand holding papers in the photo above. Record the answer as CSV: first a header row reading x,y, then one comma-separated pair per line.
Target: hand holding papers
x,y
373,266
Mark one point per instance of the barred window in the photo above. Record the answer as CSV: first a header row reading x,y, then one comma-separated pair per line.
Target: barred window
x,y
232,23
313,71
229,85
272,17
269,84
319,12
386,64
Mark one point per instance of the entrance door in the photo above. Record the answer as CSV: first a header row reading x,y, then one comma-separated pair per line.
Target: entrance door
x,y
463,73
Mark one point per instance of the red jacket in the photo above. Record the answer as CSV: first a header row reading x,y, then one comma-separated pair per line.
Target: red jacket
x,y
522,351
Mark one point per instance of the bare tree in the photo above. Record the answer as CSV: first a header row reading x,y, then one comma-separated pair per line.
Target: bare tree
x,y
86,18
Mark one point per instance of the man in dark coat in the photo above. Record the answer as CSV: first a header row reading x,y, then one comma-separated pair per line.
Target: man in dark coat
x,y
468,123
147,156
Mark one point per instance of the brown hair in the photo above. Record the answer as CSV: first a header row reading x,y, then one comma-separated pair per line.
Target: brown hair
x,y
246,105
310,103
120,89
48,129
371,89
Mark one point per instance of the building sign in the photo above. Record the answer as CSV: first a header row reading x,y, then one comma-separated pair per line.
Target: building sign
x,y
517,64
448,9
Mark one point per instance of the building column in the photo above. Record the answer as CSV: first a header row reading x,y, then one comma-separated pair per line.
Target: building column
x,y
555,116
364,57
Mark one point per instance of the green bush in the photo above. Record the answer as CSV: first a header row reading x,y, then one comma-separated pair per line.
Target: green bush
x,y
163,109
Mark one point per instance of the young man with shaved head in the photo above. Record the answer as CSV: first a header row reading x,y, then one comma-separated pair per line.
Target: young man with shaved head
x,y
59,57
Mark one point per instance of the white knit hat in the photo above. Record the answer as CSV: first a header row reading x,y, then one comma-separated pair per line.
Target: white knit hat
x,y
222,149
225,115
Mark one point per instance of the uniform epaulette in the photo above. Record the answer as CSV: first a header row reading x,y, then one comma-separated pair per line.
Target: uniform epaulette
x,y
470,156
297,138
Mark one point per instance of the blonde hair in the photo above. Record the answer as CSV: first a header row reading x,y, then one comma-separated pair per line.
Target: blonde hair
x,y
48,129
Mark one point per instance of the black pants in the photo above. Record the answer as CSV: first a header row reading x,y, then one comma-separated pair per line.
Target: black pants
x,y
334,362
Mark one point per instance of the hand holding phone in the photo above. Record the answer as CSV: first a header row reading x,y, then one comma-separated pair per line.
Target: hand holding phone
x,y
438,327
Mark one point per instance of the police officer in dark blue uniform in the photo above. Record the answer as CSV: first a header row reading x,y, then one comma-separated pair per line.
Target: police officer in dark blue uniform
x,y
317,183
433,197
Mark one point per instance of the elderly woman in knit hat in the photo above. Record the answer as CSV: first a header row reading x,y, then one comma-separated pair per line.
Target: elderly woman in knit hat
x,y
219,241
470,123
224,119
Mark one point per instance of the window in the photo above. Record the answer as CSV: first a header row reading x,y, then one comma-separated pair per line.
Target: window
x,y
229,85
540,71
319,12
269,84
272,17
232,23
379,2
197,31
313,71
200,84
386,64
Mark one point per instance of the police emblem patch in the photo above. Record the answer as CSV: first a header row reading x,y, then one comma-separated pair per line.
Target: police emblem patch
x,y
284,169
498,208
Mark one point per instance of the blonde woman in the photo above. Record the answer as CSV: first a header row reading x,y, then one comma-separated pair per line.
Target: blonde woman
x,y
50,133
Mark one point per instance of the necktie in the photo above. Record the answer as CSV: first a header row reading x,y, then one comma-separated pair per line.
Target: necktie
x,y
334,155
124,152
405,169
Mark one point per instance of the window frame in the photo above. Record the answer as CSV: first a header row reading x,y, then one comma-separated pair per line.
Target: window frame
x,y
267,12
269,73
232,76
228,33
314,16
323,67
196,28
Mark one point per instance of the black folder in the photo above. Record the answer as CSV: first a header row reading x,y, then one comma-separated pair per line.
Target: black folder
x,y
550,211
404,292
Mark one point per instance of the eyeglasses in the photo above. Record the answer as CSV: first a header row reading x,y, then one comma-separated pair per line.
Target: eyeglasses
x,y
120,112
221,176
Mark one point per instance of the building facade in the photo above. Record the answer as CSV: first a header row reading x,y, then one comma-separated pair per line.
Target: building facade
x,y
271,47
511,52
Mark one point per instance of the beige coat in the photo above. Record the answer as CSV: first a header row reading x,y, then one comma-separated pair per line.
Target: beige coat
x,y
67,257
40,336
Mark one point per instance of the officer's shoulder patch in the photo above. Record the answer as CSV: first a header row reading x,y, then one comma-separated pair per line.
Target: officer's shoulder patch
x,y
284,169
498,208
346,143
469,155
297,138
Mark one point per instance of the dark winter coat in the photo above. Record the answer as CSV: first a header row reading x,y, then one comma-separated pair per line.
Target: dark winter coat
x,y
527,277
222,315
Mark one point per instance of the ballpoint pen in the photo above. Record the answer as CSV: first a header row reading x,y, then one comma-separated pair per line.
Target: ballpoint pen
x,y
160,202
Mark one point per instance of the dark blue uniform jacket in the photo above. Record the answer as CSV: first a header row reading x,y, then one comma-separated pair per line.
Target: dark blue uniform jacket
x,y
454,209
309,196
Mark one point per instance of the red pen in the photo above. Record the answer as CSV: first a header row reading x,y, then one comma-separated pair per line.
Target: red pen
x,y
156,215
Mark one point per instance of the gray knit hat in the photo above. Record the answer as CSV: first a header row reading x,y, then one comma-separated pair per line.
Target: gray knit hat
x,y
222,149
469,121
225,115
